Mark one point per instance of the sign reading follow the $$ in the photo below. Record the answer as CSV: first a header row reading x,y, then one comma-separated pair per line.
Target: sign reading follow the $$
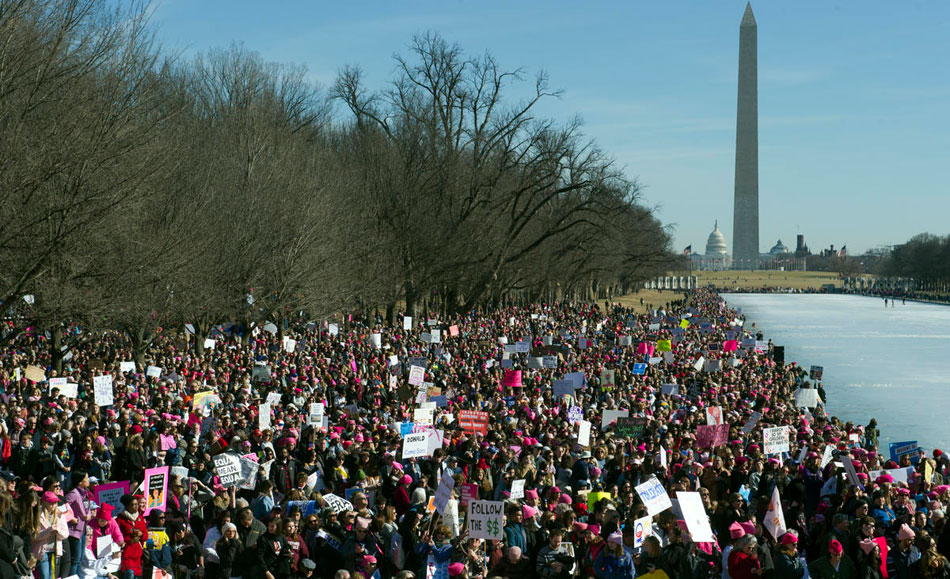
x,y
485,519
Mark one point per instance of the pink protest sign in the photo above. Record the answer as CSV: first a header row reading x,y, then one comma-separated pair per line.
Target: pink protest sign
x,y
469,493
512,379
453,331
110,494
730,346
712,436
645,348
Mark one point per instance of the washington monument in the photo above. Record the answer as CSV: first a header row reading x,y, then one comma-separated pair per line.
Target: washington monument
x,y
745,217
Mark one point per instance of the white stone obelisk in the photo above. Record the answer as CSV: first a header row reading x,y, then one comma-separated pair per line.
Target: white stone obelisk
x,y
745,223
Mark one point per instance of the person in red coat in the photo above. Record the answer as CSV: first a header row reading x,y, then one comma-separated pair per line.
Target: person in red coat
x,y
131,563
131,518
744,561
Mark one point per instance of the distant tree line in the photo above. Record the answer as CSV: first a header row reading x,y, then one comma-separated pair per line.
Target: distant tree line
x,y
925,258
139,191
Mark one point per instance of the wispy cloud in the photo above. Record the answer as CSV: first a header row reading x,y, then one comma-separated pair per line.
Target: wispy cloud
x,y
793,75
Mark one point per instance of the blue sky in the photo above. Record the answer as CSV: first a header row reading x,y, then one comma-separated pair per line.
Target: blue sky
x,y
854,97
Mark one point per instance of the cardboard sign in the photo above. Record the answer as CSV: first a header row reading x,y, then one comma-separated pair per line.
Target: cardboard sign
x,y
485,519
415,445
806,398
654,496
102,386
473,421
416,375
711,436
111,494
583,433
156,489
512,379
694,514
775,440
630,427
35,374
227,465
750,424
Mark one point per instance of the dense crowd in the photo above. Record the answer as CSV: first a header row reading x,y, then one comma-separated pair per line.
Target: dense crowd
x,y
320,419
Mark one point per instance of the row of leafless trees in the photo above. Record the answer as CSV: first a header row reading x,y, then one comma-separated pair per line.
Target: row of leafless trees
x,y
139,191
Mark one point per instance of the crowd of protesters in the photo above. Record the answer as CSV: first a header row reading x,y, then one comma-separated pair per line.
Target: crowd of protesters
x,y
575,515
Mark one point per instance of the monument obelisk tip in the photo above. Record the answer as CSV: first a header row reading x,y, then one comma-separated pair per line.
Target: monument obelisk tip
x,y
748,18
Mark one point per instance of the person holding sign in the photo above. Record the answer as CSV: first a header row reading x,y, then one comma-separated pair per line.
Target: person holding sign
x,y
552,562
437,549
47,546
613,562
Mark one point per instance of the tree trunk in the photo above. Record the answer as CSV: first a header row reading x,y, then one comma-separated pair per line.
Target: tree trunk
x,y
56,349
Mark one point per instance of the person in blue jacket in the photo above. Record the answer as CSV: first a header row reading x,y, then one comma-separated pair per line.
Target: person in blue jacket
x,y
613,562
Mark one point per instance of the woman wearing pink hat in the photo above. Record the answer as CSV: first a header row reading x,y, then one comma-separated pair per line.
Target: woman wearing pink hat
x,y
47,546
788,565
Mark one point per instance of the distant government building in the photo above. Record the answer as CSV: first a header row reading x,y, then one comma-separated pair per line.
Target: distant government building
x,y
717,256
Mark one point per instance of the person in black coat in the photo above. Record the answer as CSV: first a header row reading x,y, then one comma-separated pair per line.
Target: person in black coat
x,y
273,553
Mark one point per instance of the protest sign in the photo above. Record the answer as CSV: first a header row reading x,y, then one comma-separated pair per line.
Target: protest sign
x,y
517,489
416,375
694,514
563,388
629,427
713,415
422,416
711,436
228,467
126,367
898,474
156,489
669,389
611,416
34,374
774,520
474,421
469,493
639,369
826,456
102,387
111,494
664,346
653,496
444,492
407,323
549,362
815,372
153,372
750,424
775,440
642,528
577,378
535,363
512,379
415,445
485,519
583,433
337,504
897,449
575,414
249,470
315,416
263,418
806,398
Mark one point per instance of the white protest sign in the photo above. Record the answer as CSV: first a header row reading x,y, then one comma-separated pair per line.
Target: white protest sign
x,y
407,322
691,504
775,440
806,397
102,386
669,389
654,496
417,375
228,467
775,517
209,343
337,504
126,367
263,419
290,345
415,445
898,474
583,433
848,464
517,489
315,416
642,528
713,415
422,416
826,456
485,519
153,372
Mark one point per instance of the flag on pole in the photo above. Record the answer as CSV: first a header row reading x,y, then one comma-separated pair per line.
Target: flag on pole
x,y
688,250
774,517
